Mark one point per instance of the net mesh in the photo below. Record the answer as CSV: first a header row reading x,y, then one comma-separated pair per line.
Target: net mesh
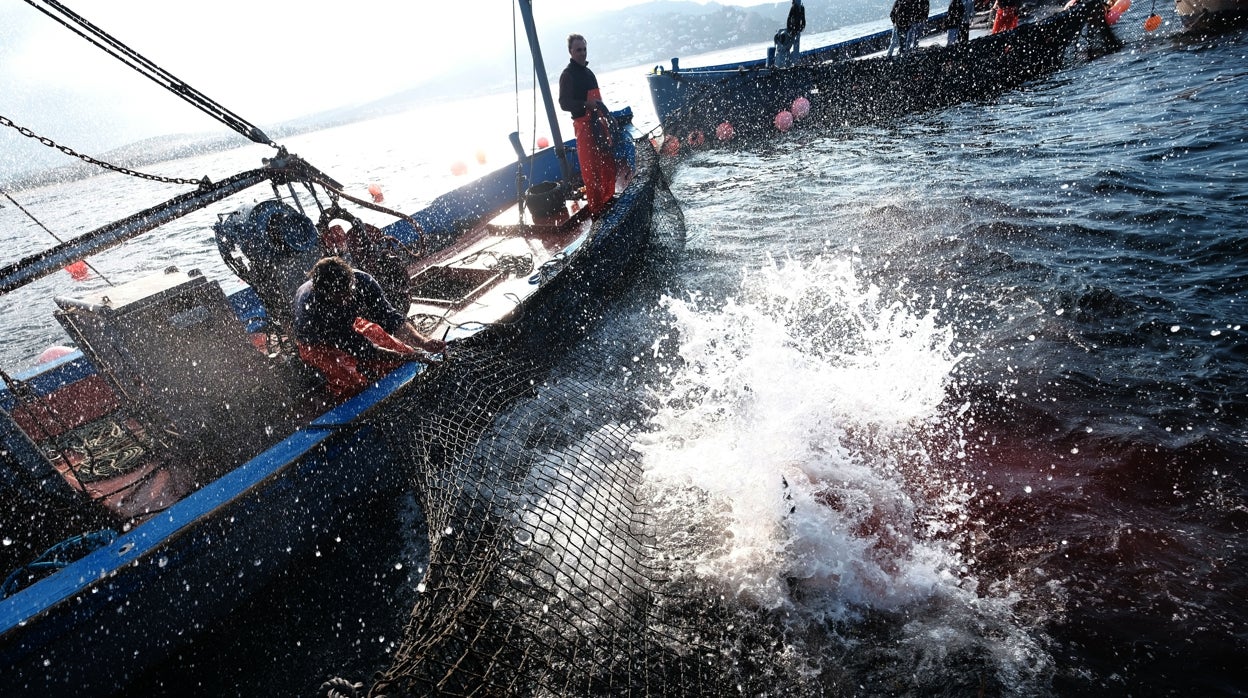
x,y
543,577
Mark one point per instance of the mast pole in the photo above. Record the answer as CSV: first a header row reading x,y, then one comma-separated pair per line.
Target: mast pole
x,y
539,67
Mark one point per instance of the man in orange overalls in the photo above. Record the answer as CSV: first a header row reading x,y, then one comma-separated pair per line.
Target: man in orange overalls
x,y
579,94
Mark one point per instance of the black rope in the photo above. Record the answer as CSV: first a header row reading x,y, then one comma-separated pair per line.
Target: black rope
x,y
110,45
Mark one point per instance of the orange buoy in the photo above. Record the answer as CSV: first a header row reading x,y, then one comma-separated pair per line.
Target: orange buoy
x,y
724,131
801,107
1152,23
784,120
459,168
543,142
77,270
480,156
695,139
374,189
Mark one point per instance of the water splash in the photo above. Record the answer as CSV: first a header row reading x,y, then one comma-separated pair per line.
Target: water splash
x,y
796,410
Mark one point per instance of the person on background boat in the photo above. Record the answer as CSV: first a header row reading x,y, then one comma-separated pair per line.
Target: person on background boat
x,y
919,10
960,14
908,17
346,329
789,41
579,95
1006,17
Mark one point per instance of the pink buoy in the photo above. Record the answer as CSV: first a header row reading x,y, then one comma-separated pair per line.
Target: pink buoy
x,y
784,120
480,157
801,107
459,168
724,132
53,353
543,142
671,146
374,190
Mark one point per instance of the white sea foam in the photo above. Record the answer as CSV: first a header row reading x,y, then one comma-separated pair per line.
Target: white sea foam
x,y
782,448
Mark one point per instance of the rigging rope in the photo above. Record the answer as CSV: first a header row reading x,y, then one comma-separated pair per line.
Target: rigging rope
x,y
39,223
93,34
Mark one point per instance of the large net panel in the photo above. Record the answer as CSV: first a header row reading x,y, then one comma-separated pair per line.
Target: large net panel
x,y
543,577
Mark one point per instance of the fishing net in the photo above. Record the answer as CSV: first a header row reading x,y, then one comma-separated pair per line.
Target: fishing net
x,y
543,577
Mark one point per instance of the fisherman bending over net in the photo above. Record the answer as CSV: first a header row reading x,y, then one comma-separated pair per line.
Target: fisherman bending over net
x,y
347,330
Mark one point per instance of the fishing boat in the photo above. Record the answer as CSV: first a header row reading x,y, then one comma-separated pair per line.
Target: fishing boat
x,y
1197,14
855,81
180,454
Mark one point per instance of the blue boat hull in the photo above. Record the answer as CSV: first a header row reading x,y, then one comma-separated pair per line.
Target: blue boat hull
x,y
844,91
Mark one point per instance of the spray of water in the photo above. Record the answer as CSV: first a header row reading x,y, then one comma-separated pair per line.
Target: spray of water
x,y
792,463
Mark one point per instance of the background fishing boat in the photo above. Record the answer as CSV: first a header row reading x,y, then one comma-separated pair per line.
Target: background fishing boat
x,y
182,455
853,82
1210,13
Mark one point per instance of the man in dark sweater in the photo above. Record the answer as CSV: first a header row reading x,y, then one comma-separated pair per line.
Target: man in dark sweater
x,y
346,329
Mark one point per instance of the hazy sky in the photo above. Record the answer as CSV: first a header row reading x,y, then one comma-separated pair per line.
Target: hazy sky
x,y
267,60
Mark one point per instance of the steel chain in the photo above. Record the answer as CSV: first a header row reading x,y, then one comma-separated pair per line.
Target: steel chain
x,y
5,121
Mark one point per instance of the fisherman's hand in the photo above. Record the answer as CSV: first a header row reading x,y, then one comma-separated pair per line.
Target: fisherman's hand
x,y
433,346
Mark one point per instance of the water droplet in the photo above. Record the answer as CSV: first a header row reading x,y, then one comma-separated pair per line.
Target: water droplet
x,y
1027,489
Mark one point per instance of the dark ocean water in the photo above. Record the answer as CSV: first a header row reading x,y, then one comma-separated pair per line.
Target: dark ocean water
x,y
995,353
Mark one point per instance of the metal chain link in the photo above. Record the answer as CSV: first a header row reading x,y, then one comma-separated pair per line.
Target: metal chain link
x,y
4,121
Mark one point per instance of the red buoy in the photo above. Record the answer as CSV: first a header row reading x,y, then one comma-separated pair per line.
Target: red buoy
x,y
375,190
78,270
724,131
459,168
543,142
695,139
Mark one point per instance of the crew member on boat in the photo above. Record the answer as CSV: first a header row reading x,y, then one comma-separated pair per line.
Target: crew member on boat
x,y
1006,17
794,25
579,94
346,329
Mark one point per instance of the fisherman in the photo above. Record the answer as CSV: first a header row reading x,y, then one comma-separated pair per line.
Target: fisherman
x,y
958,22
579,94
1006,17
909,18
346,329
794,26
